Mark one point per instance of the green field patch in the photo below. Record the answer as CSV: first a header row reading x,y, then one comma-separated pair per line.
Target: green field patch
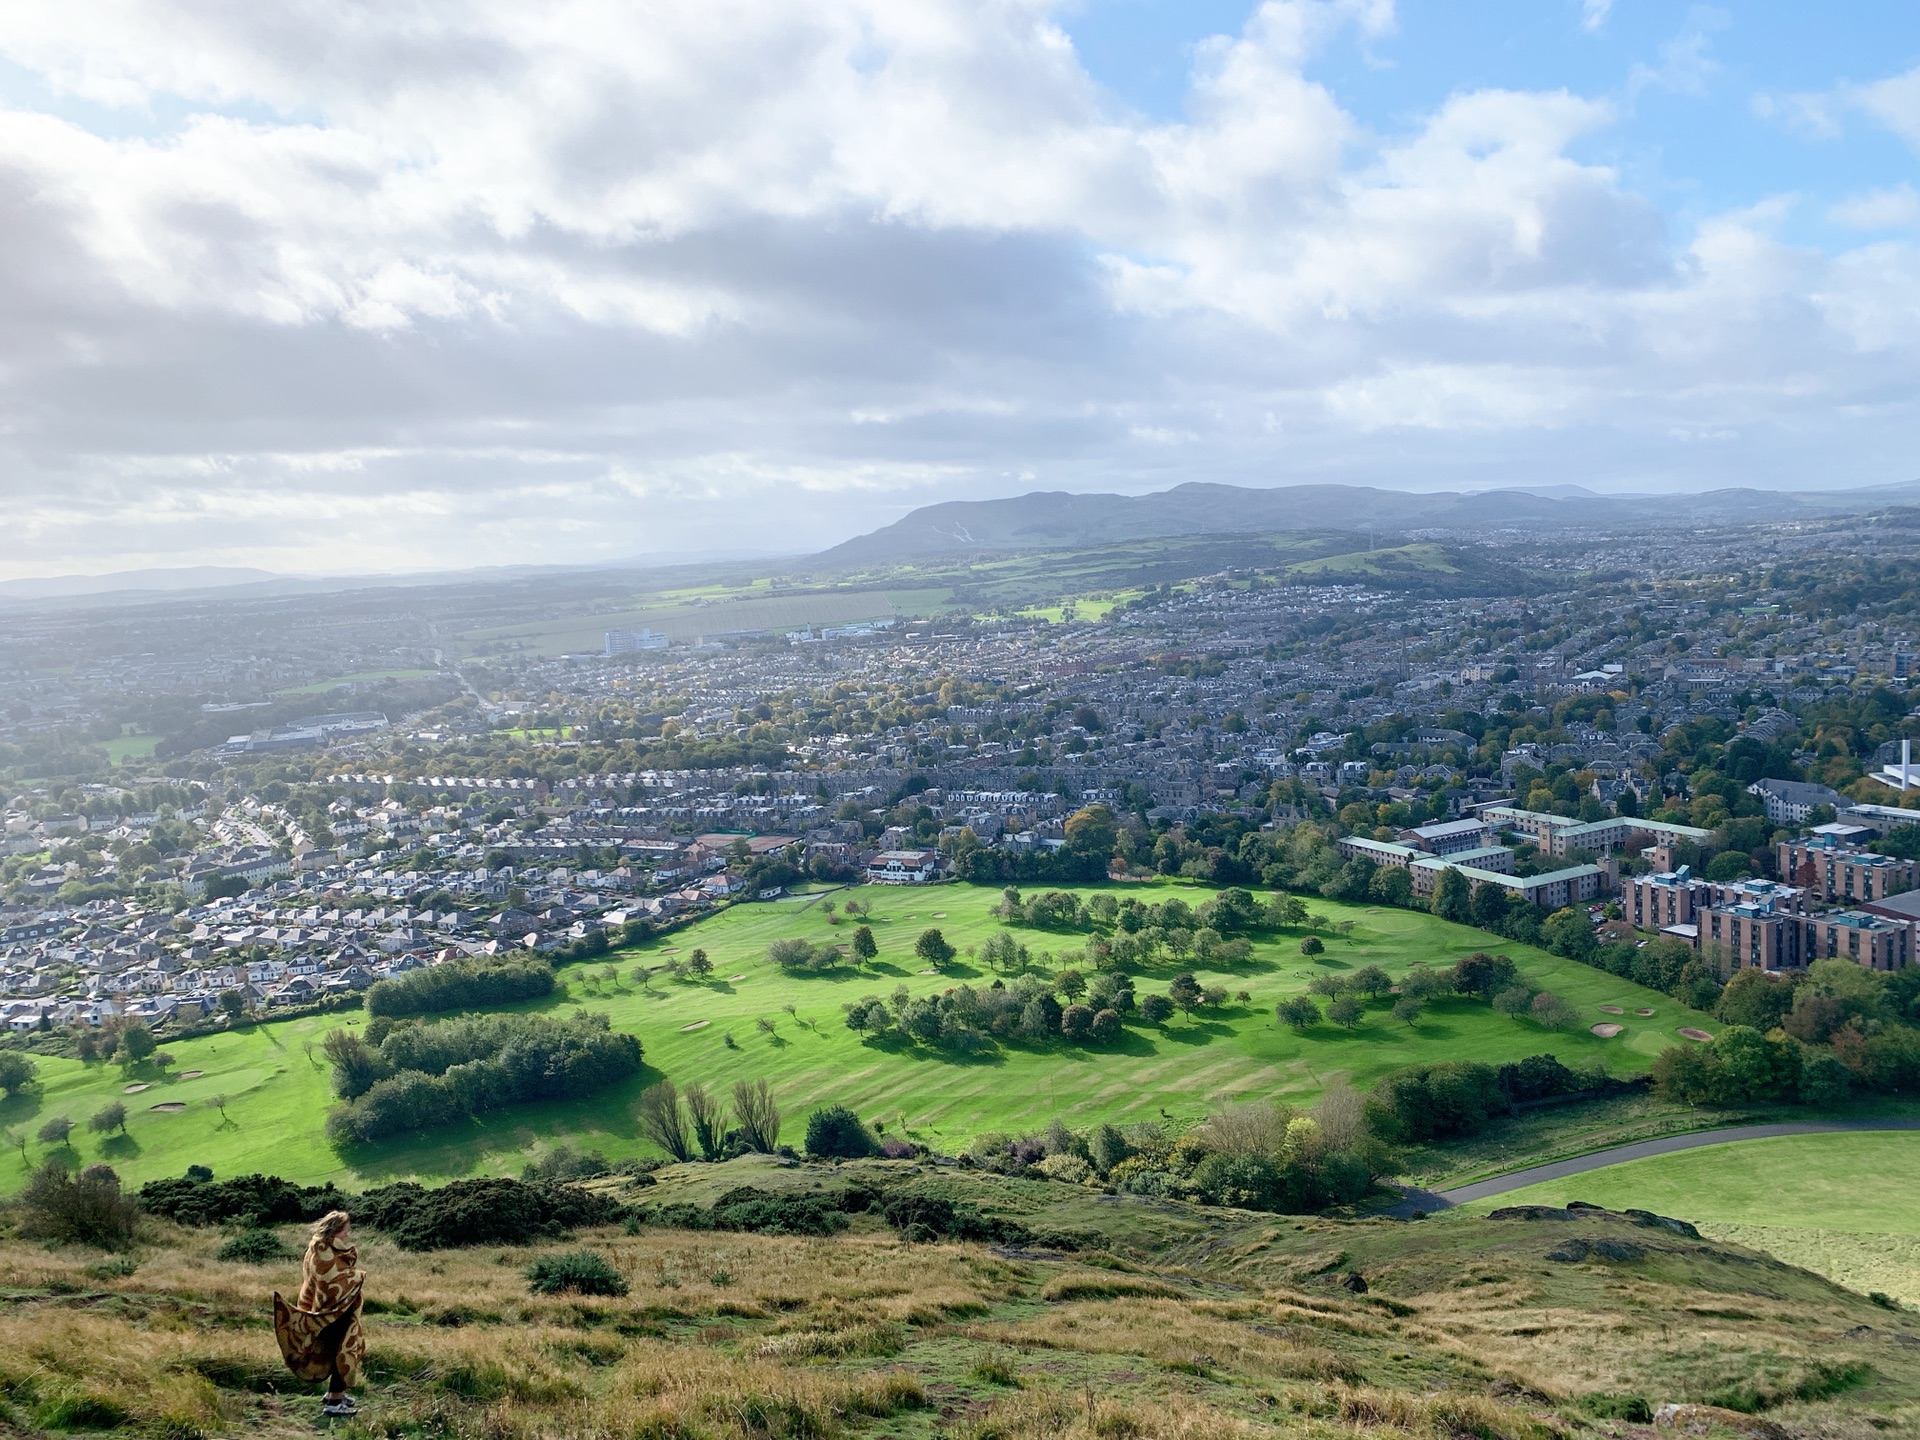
x,y
690,620
1379,563
1864,1183
363,677
130,747
280,1094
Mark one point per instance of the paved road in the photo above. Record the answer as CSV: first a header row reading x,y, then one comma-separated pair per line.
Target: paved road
x,y
1431,1201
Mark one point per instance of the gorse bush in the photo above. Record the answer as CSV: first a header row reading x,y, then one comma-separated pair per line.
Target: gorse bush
x,y
255,1247
424,1076
482,1212
254,1199
582,1272
461,985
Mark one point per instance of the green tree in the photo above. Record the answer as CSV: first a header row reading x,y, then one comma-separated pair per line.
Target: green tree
x,y
1453,897
1311,947
1407,1008
1156,1009
137,1043
17,1072
108,1118
57,1131
1298,1011
1514,1001
231,1004
1346,1011
698,965
1553,1013
933,949
1071,983
1184,991
865,947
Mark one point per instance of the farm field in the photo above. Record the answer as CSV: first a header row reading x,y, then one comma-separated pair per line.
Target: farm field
x,y
278,1092
320,687
688,620
1841,1205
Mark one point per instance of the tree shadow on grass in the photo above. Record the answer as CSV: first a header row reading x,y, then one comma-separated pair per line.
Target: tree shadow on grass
x,y
120,1147
905,1049
1191,1033
21,1106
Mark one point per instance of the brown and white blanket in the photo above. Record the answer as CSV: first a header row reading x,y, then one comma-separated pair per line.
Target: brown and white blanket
x,y
321,1334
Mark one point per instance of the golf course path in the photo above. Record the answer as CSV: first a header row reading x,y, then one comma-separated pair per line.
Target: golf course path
x,y
1430,1201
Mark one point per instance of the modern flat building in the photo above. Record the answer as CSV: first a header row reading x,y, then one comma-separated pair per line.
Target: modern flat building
x,y
627,642
1448,837
1840,874
1563,835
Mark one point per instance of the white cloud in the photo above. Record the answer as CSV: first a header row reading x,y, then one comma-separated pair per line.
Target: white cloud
x,y
1893,208
1593,14
417,284
1687,66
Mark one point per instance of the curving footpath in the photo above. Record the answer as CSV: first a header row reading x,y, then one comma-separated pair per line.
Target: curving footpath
x,y
1430,1201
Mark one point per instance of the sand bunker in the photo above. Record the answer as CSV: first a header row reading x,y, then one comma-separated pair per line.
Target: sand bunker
x,y
1613,1009
732,978
697,1025
191,1074
134,1089
1643,1012
170,1107
928,972
1692,1034
939,914
1606,1032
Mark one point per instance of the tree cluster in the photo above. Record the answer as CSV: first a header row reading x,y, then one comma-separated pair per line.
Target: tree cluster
x,y
421,1076
461,985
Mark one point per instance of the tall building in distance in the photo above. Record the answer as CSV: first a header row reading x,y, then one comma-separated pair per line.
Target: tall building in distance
x,y
625,642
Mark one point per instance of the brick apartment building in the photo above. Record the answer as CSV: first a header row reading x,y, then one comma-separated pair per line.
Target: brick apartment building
x,y
1840,874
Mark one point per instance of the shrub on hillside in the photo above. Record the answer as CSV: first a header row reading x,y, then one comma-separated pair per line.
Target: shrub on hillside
x,y
254,1247
756,1212
87,1209
583,1272
934,1217
461,985
252,1199
482,1212
564,1163
836,1133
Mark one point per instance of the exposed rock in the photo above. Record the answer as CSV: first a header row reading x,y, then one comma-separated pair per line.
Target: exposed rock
x,y
1702,1420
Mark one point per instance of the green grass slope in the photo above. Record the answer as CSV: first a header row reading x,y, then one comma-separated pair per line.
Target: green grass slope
x,y
1841,1205
278,1091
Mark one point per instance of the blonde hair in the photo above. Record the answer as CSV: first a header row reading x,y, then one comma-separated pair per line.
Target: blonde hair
x,y
331,1224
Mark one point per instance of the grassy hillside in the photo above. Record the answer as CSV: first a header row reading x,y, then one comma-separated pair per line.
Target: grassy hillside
x,y
1182,1324
277,1085
1839,1204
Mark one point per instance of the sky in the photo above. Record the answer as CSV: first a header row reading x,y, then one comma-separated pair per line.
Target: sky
x,y
338,286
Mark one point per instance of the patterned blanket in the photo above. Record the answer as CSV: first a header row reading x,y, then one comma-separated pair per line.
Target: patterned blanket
x,y
322,1332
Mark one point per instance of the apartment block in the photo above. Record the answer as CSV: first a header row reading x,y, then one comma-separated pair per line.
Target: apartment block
x,y
1840,874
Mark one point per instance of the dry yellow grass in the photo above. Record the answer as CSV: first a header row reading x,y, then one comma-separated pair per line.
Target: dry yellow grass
x,y
742,1337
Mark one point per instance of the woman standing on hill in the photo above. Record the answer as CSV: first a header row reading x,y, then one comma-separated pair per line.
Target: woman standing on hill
x,y
320,1337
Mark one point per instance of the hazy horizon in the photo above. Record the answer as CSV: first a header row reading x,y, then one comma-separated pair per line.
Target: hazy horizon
x,y
414,290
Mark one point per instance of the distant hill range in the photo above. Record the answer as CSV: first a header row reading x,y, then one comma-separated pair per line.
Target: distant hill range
x,y
1054,519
